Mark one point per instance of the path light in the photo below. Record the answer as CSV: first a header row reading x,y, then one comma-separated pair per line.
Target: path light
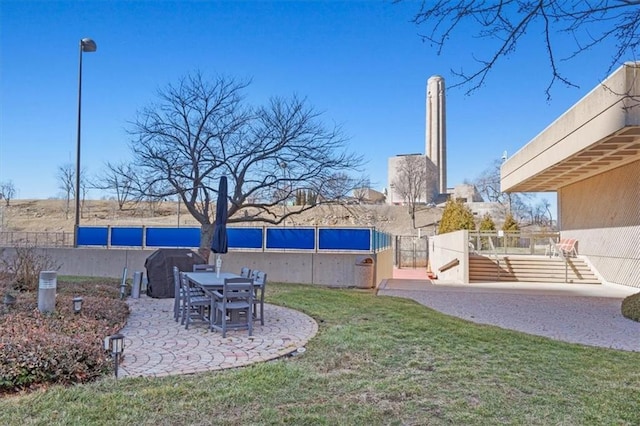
x,y
116,344
9,300
86,45
77,305
123,284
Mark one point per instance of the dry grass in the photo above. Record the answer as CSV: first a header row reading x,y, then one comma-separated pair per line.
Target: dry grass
x,y
52,216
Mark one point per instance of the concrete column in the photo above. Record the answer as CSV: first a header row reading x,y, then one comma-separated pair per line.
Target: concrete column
x,y
436,131
47,291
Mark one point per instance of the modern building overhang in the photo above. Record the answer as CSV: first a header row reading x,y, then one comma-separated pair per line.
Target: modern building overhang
x,y
599,133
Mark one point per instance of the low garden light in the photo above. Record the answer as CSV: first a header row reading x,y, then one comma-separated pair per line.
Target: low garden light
x,y
116,344
123,284
77,305
9,300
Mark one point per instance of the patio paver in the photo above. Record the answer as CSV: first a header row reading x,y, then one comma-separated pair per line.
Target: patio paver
x,y
156,345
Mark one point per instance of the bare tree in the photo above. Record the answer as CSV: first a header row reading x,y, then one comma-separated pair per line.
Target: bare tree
x,y
488,185
7,191
415,182
202,129
66,183
504,23
118,179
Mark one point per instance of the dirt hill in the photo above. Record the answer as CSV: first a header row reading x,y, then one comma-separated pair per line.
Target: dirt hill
x,y
54,216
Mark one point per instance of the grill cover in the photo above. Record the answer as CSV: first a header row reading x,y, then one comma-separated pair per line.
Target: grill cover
x,y
160,265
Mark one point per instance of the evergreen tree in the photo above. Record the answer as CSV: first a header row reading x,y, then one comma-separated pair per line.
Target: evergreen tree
x,y
510,223
487,224
456,216
509,226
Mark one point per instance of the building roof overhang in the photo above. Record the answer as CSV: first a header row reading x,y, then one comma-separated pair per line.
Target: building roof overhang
x,y
599,133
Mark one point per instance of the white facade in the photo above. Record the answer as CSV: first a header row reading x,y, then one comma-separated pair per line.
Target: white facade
x,y
591,156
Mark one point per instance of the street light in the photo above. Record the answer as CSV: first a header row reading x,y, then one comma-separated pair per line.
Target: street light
x,y
283,166
86,45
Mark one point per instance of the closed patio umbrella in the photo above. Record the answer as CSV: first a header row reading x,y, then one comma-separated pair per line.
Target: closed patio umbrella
x,y
220,240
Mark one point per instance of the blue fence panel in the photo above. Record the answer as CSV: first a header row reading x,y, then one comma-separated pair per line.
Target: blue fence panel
x,y
381,240
173,237
290,238
247,238
93,236
361,239
130,237
344,239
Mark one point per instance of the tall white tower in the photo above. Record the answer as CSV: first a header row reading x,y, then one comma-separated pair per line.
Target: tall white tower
x,y
436,131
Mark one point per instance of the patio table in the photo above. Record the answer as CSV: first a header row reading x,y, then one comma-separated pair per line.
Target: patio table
x,y
211,282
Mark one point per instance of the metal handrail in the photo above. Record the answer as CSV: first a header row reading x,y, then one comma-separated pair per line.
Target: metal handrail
x,y
495,256
514,242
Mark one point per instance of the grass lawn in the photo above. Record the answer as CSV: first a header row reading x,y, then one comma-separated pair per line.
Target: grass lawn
x,y
375,360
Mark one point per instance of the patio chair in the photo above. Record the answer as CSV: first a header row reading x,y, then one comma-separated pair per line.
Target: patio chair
x,y
259,285
177,293
204,267
245,272
233,306
196,303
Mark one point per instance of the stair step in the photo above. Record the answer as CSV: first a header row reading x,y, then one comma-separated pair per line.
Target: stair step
x,y
530,269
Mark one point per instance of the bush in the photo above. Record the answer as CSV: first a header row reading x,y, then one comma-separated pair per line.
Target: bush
x,y
631,307
23,269
456,216
61,347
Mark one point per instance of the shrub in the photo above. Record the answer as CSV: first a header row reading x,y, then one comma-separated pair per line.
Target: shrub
x,y
60,347
631,307
23,269
486,224
456,216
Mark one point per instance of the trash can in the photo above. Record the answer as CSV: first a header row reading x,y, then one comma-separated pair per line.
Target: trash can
x,y
364,272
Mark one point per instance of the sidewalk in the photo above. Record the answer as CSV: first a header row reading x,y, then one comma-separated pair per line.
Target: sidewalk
x,y
577,313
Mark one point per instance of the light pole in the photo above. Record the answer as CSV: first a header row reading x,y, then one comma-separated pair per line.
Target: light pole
x,y
86,45
283,166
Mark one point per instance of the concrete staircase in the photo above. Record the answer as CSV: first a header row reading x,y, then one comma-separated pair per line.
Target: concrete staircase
x,y
529,269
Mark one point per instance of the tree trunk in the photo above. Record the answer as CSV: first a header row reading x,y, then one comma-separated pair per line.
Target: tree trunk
x,y
206,238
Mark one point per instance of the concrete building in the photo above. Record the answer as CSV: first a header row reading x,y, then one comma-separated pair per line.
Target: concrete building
x,y
394,172
467,193
368,196
590,155
435,148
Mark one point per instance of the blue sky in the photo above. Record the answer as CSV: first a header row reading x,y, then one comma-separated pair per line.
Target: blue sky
x,y
361,62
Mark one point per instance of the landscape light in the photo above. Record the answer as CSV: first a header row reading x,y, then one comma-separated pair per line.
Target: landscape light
x,y
9,300
77,305
116,343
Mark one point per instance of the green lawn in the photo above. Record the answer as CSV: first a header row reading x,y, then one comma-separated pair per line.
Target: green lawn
x,y
375,360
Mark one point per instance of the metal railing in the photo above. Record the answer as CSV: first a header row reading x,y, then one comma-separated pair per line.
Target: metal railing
x,y
39,239
510,242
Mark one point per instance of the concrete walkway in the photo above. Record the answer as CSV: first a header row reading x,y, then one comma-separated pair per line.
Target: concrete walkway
x,y
156,345
577,313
